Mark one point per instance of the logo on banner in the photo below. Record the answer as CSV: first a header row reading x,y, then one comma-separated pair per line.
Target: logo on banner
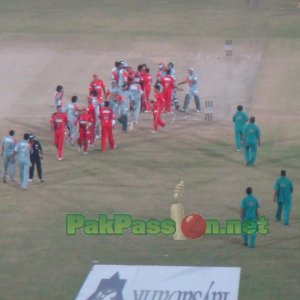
x,y
109,289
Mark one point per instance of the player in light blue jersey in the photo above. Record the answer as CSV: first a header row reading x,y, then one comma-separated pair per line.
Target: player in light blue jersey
x,y
72,114
8,147
22,151
114,98
175,100
136,93
94,101
192,91
125,99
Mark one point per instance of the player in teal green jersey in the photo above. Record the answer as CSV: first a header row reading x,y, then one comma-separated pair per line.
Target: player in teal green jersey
x,y
252,139
249,215
239,119
283,195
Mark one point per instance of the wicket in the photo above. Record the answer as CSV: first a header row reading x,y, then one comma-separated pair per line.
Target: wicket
x,y
208,110
228,47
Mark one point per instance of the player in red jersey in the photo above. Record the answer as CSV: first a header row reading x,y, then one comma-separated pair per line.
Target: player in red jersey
x,y
147,82
157,108
140,74
115,72
97,86
123,74
131,75
91,110
162,69
167,83
59,122
107,121
84,124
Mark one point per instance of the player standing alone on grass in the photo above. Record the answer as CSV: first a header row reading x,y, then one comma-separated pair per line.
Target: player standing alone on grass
x,y
8,162
252,139
58,123
239,119
283,195
249,212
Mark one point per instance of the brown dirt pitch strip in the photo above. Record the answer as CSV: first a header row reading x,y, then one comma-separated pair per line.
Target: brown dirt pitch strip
x,y
46,43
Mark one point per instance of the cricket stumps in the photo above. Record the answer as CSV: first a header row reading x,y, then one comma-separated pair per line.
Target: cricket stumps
x,y
208,110
228,47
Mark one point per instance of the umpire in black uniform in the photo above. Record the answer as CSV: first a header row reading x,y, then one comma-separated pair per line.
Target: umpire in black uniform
x,y
36,155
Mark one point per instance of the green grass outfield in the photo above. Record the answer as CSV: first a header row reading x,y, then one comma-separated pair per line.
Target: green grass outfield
x,y
44,43
150,19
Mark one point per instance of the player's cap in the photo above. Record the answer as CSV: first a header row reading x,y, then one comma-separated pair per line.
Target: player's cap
x,y
124,64
31,136
170,65
58,105
190,69
157,86
161,65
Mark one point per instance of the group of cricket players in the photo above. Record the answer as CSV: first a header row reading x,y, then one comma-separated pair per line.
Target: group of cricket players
x,y
247,138
105,109
121,105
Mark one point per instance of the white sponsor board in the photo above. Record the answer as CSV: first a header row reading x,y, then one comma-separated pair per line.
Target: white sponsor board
x,y
119,282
